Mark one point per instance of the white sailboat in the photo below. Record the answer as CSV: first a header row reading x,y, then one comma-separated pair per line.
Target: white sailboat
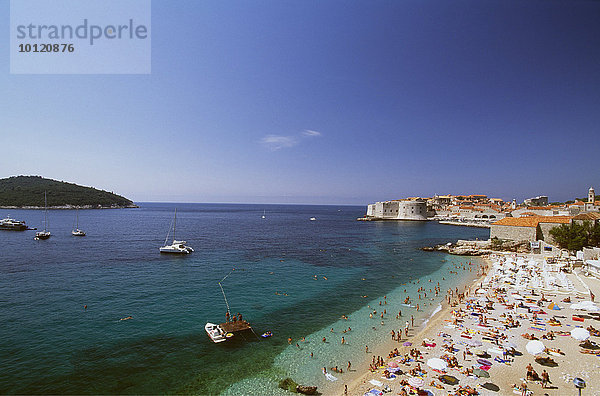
x,y
176,247
264,216
77,231
44,234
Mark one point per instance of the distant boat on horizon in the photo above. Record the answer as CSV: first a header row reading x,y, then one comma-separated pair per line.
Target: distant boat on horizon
x,y
77,231
264,216
313,219
44,234
12,224
176,247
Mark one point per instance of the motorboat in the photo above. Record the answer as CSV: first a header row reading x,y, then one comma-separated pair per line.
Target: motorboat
x,y
215,332
12,224
176,247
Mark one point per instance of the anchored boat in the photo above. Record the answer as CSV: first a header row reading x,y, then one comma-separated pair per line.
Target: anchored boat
x,y
44,234
176,247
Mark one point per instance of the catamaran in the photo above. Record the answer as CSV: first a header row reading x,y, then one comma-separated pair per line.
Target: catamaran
x,y
77,231
177,247
44,234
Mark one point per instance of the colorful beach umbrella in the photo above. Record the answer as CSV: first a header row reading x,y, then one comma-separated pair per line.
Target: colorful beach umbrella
x,y
535,347
437,364
481,373
580,334
393,364
484,362
554,307
416,382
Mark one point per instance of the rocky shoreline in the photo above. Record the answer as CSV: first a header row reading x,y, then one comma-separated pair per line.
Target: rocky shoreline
x,y
70,207
479,248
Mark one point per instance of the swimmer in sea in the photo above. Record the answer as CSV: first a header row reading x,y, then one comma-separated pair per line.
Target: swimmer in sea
x,y
127,318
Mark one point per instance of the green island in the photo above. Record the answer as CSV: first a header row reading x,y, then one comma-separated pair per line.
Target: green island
x,y
28,192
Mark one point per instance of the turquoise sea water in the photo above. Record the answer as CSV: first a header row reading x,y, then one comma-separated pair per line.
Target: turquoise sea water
x,y
52,345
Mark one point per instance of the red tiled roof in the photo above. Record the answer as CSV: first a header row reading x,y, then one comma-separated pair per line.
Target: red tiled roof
x,y
532,221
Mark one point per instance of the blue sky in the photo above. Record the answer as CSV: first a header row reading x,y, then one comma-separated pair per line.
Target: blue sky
x,y
326,102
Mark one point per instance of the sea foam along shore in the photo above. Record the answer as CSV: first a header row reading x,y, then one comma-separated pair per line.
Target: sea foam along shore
x,y
469,271
510,293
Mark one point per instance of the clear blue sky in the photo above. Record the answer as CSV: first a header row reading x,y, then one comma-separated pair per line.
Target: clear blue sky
x,y
325,102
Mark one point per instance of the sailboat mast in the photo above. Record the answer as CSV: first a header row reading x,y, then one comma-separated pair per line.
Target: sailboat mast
x,y
45,212
174,224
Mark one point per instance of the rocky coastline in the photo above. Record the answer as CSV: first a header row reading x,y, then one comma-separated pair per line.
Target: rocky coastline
x,y
479,248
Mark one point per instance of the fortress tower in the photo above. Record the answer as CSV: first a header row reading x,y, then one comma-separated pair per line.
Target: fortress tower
x,y
591,195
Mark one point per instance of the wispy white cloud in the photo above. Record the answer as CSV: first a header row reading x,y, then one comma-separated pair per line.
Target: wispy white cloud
x,y
308,132
277,142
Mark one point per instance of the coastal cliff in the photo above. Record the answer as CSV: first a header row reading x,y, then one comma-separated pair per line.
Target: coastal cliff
x,y
27,192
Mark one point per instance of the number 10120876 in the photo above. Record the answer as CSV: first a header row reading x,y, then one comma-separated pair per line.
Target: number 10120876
x,y
46,48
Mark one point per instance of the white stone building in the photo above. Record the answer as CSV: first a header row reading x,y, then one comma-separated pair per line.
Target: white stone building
x,y
406,209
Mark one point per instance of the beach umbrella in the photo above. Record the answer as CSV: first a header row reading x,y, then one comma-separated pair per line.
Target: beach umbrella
x,y
554,307
393,364
448,379
490,386
481,373
437,364
484,362
416,382
407,343
473,343
535,347
586,306
481,291
580,334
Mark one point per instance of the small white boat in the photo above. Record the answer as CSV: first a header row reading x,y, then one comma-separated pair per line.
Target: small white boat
x,y
313,219
77,231
176,247
264,216
215,332
44,234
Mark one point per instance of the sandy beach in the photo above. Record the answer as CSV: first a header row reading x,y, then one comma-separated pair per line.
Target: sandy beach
x,y
483,328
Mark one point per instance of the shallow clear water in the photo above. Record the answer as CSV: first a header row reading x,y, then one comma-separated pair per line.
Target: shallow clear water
x,y
51,344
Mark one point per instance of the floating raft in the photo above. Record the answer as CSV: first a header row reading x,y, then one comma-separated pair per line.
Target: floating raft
x,y
234,327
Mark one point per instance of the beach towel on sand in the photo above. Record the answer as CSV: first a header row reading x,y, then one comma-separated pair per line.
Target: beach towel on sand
x,y
374,392
376,383
330,377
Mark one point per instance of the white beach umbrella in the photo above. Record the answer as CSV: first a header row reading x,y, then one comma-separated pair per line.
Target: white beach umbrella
x,y
481,291
437,364
416,382
535,347
474,343
580,334
586,306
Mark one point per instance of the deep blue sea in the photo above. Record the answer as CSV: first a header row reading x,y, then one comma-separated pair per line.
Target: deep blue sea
x,y
50,344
